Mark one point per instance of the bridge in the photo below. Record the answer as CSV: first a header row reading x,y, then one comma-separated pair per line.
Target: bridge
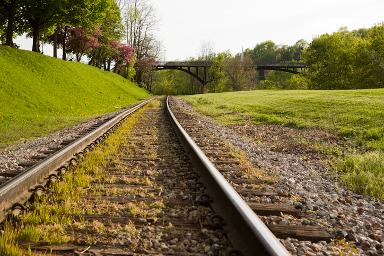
x,y
199,69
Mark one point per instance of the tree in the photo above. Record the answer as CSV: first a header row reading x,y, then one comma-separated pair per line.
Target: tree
x,y
81,42
10,20
140,22
111,32
218,77
240,77
3,22
331,61
374,54
124,59
40,15
263,53
206,51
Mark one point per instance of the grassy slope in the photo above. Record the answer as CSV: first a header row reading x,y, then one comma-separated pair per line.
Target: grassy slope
x,y
40,94
356,113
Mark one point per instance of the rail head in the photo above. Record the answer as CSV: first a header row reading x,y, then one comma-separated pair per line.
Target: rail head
x,y
18,190
244,228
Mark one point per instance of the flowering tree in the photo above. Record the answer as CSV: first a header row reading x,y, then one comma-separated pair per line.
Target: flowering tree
x,y
80,42
124,57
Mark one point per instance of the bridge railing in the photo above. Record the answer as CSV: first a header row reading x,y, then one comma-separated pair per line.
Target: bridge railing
x,y
209,64
184,63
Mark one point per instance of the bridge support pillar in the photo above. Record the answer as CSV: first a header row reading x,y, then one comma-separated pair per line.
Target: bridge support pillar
x,y
204,88
262,75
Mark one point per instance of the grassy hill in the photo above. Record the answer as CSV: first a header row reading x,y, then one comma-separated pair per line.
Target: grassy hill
x,y
357,114
40,94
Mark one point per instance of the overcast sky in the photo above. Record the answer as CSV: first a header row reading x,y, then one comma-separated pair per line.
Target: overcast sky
x,y
236,24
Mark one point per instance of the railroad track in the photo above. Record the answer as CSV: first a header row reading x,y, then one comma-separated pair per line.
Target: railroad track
x,y
254,187
163,187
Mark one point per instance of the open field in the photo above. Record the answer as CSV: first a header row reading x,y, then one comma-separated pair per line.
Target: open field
x,y
356,114
39,94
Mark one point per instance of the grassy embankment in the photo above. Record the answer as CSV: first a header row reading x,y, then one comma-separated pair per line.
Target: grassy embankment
x,y
40,94
357,114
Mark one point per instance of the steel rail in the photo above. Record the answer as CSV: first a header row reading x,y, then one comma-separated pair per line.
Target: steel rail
x,y
18,190
243,227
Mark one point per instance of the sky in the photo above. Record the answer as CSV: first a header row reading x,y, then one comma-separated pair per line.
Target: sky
x,y
233,25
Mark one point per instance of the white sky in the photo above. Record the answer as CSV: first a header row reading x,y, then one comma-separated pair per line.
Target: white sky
x,y
233,25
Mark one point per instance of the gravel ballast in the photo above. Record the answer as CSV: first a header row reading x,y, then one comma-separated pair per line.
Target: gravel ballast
x,y
356,221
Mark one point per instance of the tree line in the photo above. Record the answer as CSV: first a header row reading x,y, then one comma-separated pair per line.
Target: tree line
x,y
91,28
341,60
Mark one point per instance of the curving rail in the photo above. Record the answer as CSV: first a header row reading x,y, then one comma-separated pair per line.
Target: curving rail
x,y
245,230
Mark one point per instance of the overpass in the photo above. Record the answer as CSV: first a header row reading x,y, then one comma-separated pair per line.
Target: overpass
x,y
199,69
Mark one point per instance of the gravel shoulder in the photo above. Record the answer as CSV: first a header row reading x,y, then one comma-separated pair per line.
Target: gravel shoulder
x,y
301,168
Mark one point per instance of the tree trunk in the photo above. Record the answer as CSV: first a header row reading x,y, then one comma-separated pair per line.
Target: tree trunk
x,y
139,76
36,38
109,65
11,24
64,44
55,43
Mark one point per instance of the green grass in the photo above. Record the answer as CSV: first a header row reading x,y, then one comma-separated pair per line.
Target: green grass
x,y
364,173
358,114
40,94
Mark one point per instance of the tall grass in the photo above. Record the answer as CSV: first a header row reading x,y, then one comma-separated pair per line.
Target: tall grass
x,y
364,173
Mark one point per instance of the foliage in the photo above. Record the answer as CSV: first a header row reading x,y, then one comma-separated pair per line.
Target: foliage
x,y
124,59
62,93
40,16
170,82
347,60
263,53
111,33
239,76
281,80
219,80
269,53
80,42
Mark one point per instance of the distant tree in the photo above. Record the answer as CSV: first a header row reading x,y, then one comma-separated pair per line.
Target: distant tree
x,y
218,79
375,56
206,51
263,53
239,76
140,22
331,61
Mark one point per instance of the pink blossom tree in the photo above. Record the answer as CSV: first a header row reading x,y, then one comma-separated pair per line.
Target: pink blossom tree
x,y
80,42
124,57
